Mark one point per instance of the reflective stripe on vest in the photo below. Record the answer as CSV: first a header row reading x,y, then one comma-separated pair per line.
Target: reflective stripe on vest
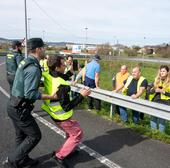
x,y
54,109
129,80
10,56
166,88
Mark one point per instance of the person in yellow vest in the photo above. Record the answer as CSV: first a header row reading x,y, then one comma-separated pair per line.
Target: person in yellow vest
x,y
118,81
61,111
160,93
121,77
44,64
135,87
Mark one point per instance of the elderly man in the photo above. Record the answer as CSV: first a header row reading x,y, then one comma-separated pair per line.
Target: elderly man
x,y
118,81
121,76
135,87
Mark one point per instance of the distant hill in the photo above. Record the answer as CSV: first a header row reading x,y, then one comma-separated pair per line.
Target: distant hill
x,y
62,44
3,40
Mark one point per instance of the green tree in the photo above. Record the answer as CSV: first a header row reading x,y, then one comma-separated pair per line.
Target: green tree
x,y
104,49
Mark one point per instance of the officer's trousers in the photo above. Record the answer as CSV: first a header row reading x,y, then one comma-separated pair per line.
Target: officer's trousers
x,y
10,79
27,135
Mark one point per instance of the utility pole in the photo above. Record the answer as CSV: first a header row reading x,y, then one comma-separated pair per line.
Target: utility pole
x,y
43,35
26,51
29,30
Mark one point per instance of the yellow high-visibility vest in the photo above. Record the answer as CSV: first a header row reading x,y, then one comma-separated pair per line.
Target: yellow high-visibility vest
x,y
54,109
44,65
129,80
166,88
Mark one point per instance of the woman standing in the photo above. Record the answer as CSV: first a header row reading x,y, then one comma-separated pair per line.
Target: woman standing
x,y
160,93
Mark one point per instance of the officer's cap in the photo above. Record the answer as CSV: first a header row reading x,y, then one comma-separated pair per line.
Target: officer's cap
x,y
34,43
16,43
97,57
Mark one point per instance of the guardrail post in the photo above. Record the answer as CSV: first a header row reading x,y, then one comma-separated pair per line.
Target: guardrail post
x,y
111,110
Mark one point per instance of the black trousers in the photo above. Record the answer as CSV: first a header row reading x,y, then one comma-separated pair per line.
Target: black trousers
x,y
91,101
27,132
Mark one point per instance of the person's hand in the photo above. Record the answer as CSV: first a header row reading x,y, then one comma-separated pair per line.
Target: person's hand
x,y
85,92
54,96
115,91
158,90
97,87
73,83
134,96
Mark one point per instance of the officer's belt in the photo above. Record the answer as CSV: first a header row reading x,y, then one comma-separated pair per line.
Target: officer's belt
x,y
19,102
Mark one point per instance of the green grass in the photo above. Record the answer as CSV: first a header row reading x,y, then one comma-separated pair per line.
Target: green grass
x,y
149,71
108,68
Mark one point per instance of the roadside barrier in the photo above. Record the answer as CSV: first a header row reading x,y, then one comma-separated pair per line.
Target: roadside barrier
x,y
144,106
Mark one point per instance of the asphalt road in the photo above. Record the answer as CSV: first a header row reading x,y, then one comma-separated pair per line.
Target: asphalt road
x,y
105,144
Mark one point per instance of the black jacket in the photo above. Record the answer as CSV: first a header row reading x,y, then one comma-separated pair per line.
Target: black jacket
x,y
64,92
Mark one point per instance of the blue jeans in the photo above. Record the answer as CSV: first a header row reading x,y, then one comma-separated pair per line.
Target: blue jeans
x,y
124,115
155,121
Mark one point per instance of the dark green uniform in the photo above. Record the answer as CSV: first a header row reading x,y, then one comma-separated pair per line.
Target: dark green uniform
x,y
12,61
24,94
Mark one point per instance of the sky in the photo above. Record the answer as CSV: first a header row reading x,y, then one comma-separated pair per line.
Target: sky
x,y
128,22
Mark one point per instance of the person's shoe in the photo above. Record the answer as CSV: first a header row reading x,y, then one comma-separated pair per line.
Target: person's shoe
x,y
28,162
8,164
59,162
73,153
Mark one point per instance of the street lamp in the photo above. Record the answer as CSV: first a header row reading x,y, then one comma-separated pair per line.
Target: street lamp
x,y
86,28
26,51
144,38
115,39
29,35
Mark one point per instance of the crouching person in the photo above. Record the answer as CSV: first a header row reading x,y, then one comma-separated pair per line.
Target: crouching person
x,y
61,111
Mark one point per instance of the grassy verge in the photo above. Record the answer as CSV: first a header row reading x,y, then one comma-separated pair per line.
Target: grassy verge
x,y
149,71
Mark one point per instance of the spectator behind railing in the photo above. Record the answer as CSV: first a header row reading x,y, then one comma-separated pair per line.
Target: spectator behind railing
x,y
160,93
118,81
81,73
134,87
92,75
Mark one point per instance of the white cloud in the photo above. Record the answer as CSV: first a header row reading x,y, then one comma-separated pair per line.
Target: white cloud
x,y
129,20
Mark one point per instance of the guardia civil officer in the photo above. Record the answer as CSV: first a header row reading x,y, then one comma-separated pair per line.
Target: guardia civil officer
x,y
12,61
24,94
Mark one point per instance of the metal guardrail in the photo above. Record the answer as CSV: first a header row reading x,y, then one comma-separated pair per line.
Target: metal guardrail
x,y
144,106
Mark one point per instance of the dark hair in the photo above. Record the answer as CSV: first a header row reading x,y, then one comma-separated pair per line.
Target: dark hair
x,y
54,61
164,67
81,65
15,44
69,56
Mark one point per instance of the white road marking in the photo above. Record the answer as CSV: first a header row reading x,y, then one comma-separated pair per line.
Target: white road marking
x,y
2,63
88,150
